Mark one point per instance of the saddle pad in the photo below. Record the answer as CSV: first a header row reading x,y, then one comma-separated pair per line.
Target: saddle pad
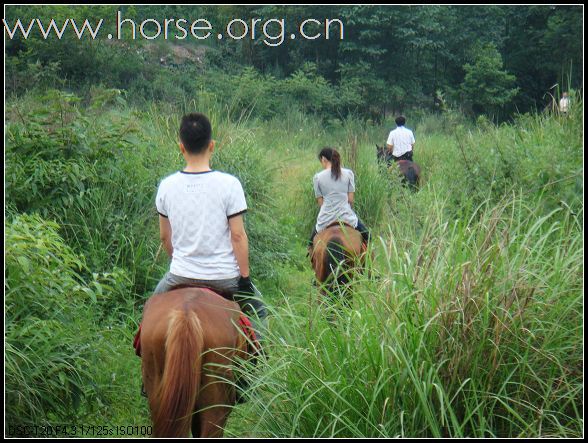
x,y
247,328
137,342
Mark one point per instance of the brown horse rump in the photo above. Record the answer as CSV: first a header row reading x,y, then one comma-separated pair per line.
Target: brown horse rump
x,y
334,244
338,223
244,324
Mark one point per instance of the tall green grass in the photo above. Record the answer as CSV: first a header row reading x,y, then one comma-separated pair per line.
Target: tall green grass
x,y
471,324
474,331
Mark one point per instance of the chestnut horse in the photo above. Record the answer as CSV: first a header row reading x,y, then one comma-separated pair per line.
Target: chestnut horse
x,y
411,171
336,250
189,340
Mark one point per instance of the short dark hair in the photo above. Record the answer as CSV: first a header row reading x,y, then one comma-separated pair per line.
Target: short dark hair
x,y
195,132
400,120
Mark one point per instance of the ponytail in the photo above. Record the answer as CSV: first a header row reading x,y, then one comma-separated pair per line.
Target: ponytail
x,y
334,157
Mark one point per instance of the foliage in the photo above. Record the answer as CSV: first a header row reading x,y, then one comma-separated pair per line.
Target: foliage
x,y
391,58
50,312
486,85
411,343
267,238
68,165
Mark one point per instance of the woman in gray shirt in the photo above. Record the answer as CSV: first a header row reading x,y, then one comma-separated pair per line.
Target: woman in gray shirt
x,y
334,188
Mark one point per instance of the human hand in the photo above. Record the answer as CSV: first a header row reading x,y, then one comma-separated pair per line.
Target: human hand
x,y
245,286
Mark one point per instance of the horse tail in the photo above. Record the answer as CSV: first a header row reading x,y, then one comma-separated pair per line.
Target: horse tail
x,y
180,383
336,254
412,176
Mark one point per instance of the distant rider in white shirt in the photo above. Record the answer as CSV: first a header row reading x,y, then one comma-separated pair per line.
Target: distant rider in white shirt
x,y
400,142
564,103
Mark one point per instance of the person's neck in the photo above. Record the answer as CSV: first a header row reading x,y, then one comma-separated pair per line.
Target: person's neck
x,y
197,164
327,165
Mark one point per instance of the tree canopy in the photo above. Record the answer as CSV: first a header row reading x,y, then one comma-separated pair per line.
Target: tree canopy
x,y
494,60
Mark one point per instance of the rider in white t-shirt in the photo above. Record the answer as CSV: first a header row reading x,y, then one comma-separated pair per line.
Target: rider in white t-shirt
x,y
400,141
564,103
201,223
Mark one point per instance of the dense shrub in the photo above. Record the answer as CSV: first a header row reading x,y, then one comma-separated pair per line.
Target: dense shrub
x,y
50,313
87,173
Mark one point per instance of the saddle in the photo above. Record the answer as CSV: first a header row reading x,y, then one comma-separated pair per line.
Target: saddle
x,y
224,294
253,346
330,225
339,223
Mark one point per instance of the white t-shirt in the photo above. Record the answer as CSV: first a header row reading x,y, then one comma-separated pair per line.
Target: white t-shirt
x,y
564,104
198,206
402,139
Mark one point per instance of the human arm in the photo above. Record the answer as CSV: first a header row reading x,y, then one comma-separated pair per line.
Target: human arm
x,y
241,249
317,190
165,230
351,189
240,244
390,142
165,234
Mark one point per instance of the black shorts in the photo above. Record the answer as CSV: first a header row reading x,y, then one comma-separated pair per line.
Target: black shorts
x,y
405,156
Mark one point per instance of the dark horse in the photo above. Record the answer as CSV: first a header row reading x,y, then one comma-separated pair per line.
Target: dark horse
x,y
335,252
182,331
410,171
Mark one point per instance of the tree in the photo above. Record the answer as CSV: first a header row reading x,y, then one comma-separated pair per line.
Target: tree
x,y
487,86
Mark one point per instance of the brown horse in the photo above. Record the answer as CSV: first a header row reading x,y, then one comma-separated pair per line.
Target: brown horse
x,y
189,340
336,250
410,171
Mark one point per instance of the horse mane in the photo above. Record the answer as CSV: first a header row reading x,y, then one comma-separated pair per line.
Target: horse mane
x,y
180,383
